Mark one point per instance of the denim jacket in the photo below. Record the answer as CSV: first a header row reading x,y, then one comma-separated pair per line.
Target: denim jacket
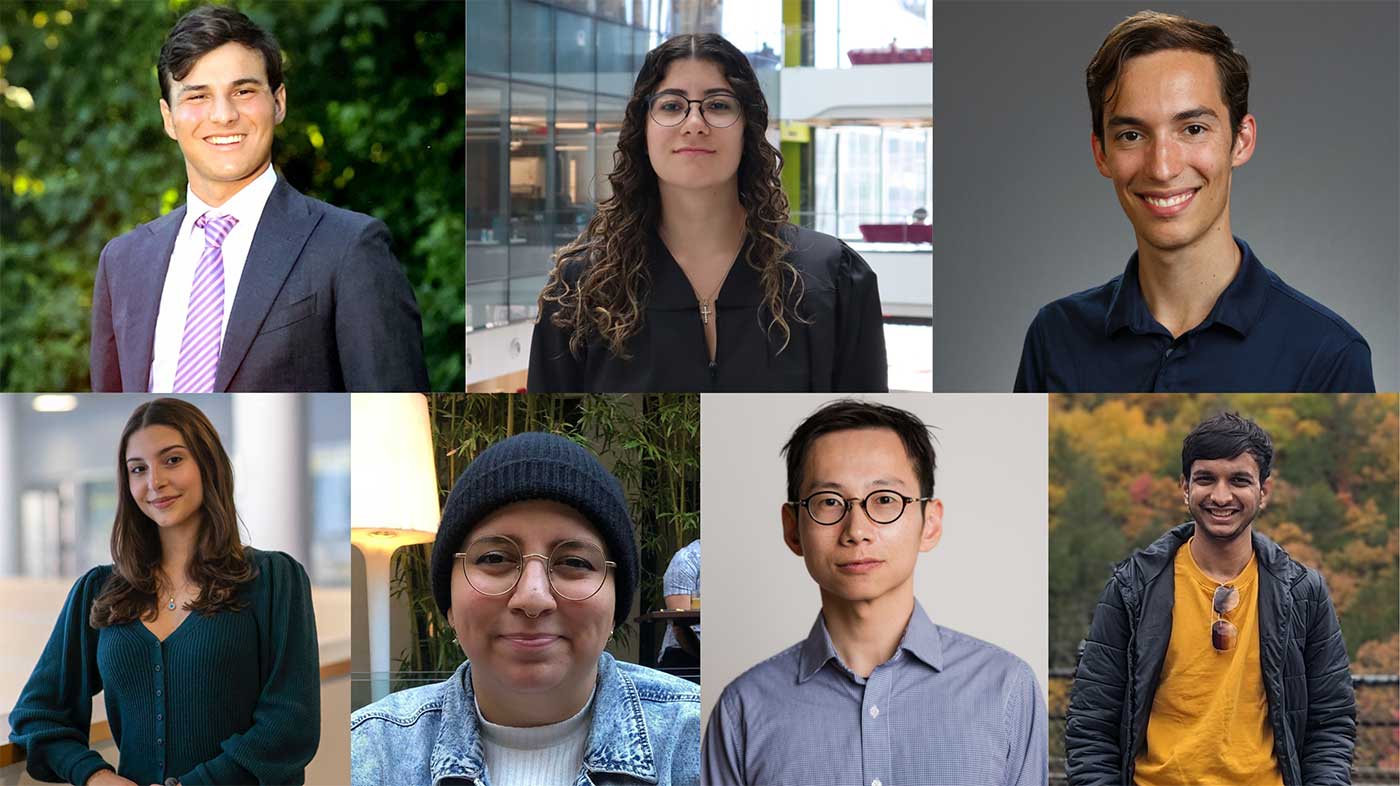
x,y
645,729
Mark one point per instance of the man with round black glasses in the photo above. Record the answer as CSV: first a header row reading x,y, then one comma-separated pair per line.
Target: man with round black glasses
x,y
877,693
1213,656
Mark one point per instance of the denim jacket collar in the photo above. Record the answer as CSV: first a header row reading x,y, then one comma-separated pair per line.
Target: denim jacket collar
x,y
617,740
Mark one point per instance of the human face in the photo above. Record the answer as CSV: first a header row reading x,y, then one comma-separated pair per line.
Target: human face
x,y
223,117
1167,147
531,641
163,478
855,559
693,155
1225,495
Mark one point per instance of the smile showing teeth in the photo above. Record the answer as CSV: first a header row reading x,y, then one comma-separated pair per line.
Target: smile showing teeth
x,y
1170,201
226,140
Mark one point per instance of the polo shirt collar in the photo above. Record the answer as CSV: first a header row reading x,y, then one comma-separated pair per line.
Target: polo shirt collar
x,y
921,640
1237,308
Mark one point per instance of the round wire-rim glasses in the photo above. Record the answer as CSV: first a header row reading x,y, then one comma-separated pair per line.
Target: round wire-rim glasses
x,y
828,507
713,109
576,569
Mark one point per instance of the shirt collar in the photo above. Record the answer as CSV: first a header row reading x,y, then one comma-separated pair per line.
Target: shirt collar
x,y
246,205
617,738
1237,308
920,640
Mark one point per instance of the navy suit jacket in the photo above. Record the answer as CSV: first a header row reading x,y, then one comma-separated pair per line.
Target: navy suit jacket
x,y
323,305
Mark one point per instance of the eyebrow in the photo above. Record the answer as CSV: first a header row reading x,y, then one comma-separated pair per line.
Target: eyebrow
x,y
247,80
876,484
1117,121
162,452
676,91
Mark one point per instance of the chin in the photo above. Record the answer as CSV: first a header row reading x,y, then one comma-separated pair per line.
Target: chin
x,y
1222,533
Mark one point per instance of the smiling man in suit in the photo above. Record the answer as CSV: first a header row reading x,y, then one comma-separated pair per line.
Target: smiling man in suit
x,y
250,286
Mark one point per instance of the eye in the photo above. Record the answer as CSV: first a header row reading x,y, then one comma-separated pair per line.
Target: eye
x,y
719,104
1129,136
494,558
195,97
885,499
573,562
1196,129
136,469
669,105
173,460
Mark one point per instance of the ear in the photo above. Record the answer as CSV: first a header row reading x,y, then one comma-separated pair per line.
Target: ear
x,y
1245,137
932,531
1100,157
167,119
1185,489
279,104
1265,490
791,536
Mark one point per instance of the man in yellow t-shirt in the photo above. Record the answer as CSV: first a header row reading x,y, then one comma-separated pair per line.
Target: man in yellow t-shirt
x,y
1214,659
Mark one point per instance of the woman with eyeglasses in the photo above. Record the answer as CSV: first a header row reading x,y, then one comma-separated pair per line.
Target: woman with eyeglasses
x,y
204,649
534,564
689,277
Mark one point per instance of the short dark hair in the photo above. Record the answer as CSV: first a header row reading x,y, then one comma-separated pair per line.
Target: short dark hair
x,y
846,414
205,29
1225,436
1150,31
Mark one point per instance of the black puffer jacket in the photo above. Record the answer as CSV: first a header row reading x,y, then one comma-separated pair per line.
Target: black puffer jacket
x,y
1307,678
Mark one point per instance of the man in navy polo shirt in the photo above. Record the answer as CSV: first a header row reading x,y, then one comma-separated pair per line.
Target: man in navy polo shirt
x,y
1195,310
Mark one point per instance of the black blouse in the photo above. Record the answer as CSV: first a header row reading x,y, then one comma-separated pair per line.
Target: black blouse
x,y
840,346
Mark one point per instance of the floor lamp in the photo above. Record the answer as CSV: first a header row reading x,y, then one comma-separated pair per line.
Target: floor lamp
x,y
393,501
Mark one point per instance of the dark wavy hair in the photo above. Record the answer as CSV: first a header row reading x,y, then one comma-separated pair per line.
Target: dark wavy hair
x,y
205,29
219,565
606,299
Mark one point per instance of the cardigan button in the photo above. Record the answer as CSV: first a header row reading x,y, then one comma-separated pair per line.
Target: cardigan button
x,y
157,667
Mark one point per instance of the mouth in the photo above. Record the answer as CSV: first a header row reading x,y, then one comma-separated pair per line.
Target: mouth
x,y
1165,204
694,151
226,140
531,641
862,565
161,503
1220,514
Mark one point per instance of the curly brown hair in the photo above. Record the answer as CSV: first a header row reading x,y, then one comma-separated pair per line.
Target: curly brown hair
x,y
606,297
219,566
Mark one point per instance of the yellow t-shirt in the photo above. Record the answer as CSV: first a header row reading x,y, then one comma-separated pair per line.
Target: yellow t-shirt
x,y
1210,717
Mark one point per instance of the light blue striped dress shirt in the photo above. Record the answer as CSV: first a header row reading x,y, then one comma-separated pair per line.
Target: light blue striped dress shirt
x,y
945,710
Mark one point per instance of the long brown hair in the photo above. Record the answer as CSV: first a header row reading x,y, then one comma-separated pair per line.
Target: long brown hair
x,y
606,300
219,565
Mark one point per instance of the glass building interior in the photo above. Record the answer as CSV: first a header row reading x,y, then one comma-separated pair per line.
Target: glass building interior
x,y
849,85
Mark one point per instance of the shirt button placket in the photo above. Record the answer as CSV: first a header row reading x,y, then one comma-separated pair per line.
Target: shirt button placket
x,y
874,727
158,677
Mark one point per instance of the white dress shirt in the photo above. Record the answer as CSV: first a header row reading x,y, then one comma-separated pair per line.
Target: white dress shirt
x,y
247,206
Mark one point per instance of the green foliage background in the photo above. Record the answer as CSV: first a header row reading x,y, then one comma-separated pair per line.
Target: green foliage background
x,y
650,442
375,123
1114,468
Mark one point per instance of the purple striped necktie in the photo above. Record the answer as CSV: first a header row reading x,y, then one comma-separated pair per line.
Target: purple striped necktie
x,y
204,319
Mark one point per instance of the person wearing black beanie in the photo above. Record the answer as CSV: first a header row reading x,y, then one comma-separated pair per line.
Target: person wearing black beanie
x,y
538,701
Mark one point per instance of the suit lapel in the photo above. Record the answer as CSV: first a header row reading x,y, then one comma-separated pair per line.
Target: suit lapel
x,y
286,223
147,282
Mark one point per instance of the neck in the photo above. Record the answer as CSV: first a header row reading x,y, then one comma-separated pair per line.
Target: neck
x,y
704,223
215,193
866,633
1181,286
177,545
1222,560
505,707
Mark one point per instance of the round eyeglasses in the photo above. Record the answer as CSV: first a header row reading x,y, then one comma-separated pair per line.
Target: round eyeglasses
x,y
576,568
882,506
720,110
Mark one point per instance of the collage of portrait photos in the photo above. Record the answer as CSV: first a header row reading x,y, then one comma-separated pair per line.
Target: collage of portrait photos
x,y
371,369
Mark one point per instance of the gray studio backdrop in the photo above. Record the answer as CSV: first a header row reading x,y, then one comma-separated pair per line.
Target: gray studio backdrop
x,y
987,576
1022,217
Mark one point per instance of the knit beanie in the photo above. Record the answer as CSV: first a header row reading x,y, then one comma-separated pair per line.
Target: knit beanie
x,y
537,466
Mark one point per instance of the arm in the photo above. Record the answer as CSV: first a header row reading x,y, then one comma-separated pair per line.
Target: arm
x,y
1093,750
53,716
1351,373
553,367
1028,760
378,332
1030,375
1330,736
722,752
103,365
287,719
861,364
678,583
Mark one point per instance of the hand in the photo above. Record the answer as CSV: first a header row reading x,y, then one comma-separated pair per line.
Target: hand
x,y
108,778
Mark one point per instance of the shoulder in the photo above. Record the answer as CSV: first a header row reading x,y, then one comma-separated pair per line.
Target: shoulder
x,y
275,571
1146,565
403,709
823,260
984,661
658,686
1299,310
1303,582
127,242
771,680
1085,307
90,584
337,218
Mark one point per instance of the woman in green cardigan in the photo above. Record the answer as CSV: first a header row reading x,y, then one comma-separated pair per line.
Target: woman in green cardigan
x,y
205,649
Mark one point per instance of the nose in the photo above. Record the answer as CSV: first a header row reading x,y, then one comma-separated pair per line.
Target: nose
x,y
1165,163
695,122
155,478
532,595
1220,493
224,110
857,526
